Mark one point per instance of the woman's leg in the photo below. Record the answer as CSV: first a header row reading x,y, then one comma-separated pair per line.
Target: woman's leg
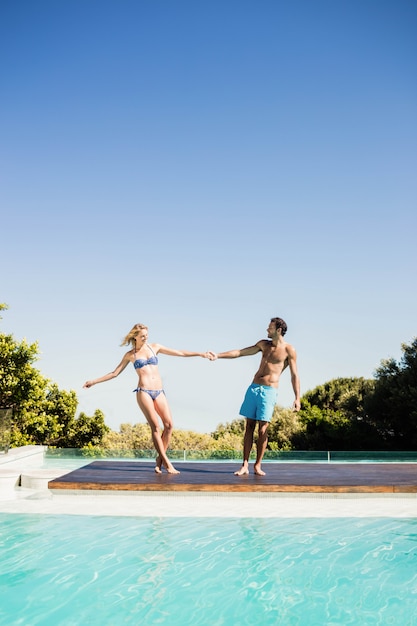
x,y
151,413
162,408
164,412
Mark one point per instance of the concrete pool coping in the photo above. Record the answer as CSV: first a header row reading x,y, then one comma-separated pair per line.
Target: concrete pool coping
x,y
174,504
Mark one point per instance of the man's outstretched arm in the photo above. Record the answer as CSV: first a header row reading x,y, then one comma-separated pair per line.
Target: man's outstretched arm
x,y
234,354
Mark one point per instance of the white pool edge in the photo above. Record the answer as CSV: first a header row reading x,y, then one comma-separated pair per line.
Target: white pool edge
x,y
209,504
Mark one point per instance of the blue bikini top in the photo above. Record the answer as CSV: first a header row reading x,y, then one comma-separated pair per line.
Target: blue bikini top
x,y
153,360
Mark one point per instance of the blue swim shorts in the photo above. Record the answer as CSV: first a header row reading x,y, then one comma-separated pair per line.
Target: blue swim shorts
x,y
259,402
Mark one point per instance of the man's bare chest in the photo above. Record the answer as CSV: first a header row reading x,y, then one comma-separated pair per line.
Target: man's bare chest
x,y
274,355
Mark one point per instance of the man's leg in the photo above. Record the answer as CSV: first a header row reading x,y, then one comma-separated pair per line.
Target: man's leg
x,y
247,446
261,447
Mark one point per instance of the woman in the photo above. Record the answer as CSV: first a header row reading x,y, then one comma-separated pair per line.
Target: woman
x,y
149,392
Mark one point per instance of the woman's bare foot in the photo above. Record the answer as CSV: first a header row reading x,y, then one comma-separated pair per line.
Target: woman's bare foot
x,y
158,465
171,470
258,471
243,471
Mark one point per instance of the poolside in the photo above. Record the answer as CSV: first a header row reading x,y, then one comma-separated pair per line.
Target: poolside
x,y
28,490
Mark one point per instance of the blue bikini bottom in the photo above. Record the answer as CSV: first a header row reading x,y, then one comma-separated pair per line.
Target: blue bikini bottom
x,y
154,393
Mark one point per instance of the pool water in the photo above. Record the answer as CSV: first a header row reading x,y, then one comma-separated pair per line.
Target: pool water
x,y
108,571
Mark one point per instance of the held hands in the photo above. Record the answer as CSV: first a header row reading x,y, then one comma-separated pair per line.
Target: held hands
x,y
212,356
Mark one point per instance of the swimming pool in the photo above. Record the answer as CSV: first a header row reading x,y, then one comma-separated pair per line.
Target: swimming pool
x,y
106,571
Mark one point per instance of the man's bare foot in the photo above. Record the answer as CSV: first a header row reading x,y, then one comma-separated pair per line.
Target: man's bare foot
x,y
242,472
258,471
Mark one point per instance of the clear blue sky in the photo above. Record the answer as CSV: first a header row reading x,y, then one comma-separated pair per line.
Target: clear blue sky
x,y
200,167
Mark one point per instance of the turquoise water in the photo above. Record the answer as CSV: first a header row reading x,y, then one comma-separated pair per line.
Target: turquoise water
x,y
108,571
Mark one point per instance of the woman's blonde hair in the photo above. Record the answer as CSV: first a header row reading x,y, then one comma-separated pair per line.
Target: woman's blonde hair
x,y
132,334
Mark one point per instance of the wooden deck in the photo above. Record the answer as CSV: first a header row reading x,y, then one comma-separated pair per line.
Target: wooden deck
x,y
280,477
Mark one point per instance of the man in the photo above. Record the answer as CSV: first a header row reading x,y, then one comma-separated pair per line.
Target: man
x,y
260,399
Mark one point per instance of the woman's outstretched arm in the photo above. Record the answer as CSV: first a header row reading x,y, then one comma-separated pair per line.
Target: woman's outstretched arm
x,y
172,352
123,363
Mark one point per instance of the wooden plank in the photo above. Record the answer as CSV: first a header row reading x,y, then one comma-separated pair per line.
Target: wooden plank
x,y
280,477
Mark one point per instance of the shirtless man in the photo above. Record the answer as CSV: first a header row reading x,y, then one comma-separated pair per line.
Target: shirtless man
x,y
260,399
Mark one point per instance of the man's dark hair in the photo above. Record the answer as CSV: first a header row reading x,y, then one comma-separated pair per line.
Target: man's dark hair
x,y
279,323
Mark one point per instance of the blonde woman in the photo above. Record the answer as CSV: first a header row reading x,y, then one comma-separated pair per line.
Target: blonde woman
x,y
150,394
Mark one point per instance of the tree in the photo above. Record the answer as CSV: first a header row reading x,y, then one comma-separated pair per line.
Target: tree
x,y
190,440
324,429
136,437
342,394
42,413
84,430
235,427
393,404
335,417
285,426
